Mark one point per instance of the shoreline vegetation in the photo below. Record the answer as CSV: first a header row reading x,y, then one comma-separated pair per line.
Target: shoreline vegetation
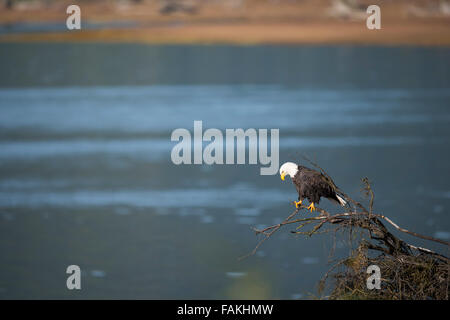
x,y
406,271
236,22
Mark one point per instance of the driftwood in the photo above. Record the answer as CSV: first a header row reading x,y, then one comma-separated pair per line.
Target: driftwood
x,y
393,252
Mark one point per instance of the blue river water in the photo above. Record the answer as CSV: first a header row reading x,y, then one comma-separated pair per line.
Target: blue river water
x,y
86,176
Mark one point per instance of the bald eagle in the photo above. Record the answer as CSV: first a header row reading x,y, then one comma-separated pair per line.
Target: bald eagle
x,y
310,184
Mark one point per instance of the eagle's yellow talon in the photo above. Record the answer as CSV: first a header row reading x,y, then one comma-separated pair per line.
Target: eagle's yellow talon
x,y
298,203
312,207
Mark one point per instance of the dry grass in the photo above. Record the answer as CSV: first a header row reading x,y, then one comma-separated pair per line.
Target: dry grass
x,y
404,277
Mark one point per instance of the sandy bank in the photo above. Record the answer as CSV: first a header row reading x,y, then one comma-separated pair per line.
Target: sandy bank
x,y
247,22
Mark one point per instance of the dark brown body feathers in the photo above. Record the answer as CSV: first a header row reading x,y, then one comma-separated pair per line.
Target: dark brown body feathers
x,y
313,185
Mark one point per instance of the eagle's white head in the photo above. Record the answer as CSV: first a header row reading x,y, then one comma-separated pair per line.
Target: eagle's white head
x,y
288,168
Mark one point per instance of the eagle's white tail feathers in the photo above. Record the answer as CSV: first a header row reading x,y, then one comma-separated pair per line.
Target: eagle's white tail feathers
x,y
341,200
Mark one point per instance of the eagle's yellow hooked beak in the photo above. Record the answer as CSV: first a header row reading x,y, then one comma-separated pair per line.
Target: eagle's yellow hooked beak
x,y
283,174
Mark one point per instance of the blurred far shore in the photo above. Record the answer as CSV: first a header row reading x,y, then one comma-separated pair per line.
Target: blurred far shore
x,y
403,22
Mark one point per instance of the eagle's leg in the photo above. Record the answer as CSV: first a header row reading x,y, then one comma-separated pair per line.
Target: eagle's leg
x,y
298,203
311,207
